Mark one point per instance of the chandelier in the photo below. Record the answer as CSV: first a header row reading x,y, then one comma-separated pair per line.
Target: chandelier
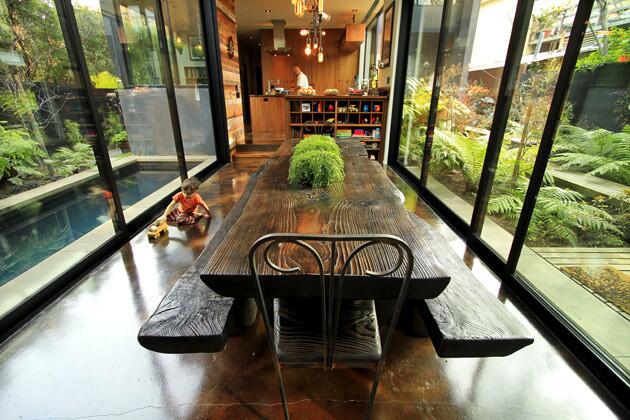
x,y
314,32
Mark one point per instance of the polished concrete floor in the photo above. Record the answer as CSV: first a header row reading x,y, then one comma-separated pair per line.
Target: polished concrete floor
x,y
79,358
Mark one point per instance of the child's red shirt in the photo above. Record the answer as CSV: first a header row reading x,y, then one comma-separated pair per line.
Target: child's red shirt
x,y
188,205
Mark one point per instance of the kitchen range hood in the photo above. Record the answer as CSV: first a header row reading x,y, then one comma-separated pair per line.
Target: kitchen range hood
x,y
279,43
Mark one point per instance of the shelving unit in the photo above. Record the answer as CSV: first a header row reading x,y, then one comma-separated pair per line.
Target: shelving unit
x,y
357,117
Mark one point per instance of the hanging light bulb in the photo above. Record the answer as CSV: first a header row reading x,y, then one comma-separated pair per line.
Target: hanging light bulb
x,y
307,50
320,6
320,57
293,2
315,43
299,8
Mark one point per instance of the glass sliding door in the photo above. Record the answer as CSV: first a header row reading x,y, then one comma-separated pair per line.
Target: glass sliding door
x,y
123,57
187,56
423,40
540,64
575,259
55,207
577,252
476,47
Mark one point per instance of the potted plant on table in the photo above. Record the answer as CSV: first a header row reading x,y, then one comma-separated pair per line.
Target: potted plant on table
x,y
316,162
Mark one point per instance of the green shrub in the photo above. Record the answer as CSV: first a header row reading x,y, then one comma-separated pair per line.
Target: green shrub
x,y
114,129
19,155
67,161
105,80
618,51
594,152
316,168
323,143
73,132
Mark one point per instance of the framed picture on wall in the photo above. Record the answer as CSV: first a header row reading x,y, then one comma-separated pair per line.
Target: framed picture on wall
x,y
195,48
388,29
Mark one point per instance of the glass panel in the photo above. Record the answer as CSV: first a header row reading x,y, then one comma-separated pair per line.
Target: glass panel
x,y
54,206
549,31
425,29
122,53
470,80
190,76
577,252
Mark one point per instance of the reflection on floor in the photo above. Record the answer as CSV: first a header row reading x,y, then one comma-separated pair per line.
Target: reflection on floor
x,y
80,358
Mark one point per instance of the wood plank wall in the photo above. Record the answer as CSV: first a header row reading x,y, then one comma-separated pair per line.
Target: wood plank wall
x,y
226,17
337,70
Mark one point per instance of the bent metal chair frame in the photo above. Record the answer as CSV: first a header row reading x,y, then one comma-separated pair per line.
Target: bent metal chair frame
x,y
331,295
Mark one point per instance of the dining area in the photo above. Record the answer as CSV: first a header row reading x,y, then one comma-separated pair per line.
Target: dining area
x,y
328,272
204,354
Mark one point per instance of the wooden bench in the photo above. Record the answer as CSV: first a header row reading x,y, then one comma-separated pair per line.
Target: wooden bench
x,y
465,320
192,318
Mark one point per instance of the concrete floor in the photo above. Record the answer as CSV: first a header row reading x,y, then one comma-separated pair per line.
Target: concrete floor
x,y
79,358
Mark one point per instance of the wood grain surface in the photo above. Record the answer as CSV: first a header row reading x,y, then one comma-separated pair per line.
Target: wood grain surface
x,y
366,203
192,318
465,320
298,332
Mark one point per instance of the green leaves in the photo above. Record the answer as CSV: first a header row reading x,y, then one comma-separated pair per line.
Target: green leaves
x,y
618,50
114,129
323,143
18,155
73,132
317,162
594,152
68,161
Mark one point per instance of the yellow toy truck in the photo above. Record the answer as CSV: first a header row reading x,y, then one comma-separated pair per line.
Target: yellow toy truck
x,y
156,228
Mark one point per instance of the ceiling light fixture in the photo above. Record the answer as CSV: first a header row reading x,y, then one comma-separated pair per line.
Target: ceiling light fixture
x,y
314,33
267,11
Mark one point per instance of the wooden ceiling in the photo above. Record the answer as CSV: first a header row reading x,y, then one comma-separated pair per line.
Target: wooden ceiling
x,y
251,14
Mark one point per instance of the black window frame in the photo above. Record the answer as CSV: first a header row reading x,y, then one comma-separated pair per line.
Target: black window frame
x,y
600,364
125,230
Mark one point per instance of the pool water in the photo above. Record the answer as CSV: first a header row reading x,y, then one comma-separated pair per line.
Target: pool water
x,y
33,233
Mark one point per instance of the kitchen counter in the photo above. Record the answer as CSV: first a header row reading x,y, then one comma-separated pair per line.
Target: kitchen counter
x,y
331,97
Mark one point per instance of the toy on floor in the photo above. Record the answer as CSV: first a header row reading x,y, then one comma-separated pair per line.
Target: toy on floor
x,y
157,227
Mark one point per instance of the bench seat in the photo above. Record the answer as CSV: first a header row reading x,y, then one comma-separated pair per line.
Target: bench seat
x,y
465,320
190,319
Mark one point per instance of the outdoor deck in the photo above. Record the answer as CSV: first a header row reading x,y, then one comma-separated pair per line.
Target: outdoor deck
x,y
617,258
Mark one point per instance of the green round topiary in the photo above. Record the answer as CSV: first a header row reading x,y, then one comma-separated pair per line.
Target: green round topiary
x,y
316,168
323,143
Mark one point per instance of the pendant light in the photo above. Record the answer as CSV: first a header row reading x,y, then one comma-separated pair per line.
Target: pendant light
x,y
299,8
307,50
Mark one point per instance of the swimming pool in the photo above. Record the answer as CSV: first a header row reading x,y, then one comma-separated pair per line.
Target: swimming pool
x,y
33,233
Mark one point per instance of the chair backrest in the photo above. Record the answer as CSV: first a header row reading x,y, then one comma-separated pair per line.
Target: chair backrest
x,y
331,279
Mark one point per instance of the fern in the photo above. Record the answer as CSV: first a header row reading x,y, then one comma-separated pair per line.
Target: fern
x,y
19,155
594,152
67,161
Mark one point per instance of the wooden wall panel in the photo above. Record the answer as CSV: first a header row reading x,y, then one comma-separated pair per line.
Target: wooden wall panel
x,y
226,18
337,70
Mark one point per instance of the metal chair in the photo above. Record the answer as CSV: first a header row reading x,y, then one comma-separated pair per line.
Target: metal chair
x,y
347,332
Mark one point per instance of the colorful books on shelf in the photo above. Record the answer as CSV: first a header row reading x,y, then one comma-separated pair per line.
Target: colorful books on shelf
x,y
344,132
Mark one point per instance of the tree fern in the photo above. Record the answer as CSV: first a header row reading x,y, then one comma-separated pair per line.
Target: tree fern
x,y
594,152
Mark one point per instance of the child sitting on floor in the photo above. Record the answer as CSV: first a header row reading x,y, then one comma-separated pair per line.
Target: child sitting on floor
x,y
182,210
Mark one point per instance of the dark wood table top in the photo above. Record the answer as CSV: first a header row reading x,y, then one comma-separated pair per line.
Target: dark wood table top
x,y
463,321
366,203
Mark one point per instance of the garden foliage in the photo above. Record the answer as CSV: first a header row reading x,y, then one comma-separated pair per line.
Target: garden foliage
x,y
562,216
18,155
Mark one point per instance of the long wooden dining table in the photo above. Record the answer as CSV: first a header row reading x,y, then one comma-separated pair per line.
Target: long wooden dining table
x,y
365,203
213,297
